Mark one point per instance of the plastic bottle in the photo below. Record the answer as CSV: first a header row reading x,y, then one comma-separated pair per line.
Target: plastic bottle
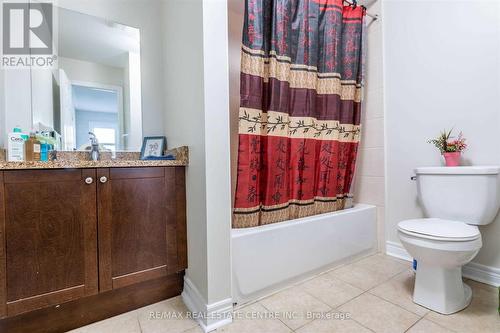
x,y
44,147
32,148
15,145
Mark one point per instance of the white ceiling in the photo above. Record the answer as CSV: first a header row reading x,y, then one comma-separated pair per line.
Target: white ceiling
x,y
94,39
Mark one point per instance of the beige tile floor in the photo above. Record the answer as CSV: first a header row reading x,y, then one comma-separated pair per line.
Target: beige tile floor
x,y
374,292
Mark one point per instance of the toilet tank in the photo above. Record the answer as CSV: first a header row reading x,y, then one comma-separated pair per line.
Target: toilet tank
x,y
467,194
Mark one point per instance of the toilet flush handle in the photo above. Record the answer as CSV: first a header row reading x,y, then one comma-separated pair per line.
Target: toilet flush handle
x,y
413,178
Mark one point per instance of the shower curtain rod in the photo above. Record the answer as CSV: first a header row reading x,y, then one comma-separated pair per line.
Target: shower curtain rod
x,y
355,3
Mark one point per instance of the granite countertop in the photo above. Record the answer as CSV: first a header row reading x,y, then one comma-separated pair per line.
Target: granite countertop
x,y
80,160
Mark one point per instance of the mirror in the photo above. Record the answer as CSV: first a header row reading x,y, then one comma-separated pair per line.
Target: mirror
x,y
96,87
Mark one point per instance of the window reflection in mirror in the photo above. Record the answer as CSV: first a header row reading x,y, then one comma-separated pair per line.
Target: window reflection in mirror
x,y
96,88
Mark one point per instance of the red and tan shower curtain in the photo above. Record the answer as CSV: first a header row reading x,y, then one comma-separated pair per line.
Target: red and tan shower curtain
x,y
299,120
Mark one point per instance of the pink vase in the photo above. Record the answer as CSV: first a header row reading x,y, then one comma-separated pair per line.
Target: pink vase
x,y
452,159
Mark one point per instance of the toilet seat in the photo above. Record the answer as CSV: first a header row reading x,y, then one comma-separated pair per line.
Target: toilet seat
x,y
439,229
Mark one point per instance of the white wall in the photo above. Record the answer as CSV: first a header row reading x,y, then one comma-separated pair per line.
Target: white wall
x,y
2,109
133,106
369,185
79,70
3,134
17,83
442,70
42,102
196,98
184,118
217,145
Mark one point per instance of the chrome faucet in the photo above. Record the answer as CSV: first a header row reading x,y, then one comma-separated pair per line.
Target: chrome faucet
x,y
94,151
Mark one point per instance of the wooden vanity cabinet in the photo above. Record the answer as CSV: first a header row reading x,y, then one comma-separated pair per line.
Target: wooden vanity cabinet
x,y
50,238
141,218
101,237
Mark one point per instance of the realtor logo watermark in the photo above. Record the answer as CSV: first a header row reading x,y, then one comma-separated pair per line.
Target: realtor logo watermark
x,y
27,33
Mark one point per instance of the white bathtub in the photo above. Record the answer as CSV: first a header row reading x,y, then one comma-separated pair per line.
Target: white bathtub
x,y
268,258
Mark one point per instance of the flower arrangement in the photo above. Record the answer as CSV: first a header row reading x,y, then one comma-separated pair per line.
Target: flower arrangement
x,y
449,148
445,145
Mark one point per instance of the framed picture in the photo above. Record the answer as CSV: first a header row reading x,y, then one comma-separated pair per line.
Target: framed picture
x,y
153,146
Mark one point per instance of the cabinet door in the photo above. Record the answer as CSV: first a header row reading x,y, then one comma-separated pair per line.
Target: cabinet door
x,y
138,225
50,240
3,261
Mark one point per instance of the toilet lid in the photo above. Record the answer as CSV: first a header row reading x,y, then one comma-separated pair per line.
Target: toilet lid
x,y
439,228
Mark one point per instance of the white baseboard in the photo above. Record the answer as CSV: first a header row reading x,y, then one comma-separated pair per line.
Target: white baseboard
x,y
481,273
397,250
209,316
473,271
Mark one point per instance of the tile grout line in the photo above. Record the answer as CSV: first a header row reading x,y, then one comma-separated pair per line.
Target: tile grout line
x,y
432,321
337,308
140,326
415,323
352,299
280,319
424,318
311,278
329,307
376,285
368,291
360,324
346,282
387,300
399,306
349,283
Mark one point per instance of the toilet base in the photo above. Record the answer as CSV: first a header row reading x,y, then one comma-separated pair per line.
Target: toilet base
x,y
441,289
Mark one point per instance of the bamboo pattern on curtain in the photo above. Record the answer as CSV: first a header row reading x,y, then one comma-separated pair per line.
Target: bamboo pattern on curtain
x,y
299,119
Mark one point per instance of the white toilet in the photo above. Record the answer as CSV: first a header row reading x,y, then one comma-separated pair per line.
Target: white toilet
x,y
456,200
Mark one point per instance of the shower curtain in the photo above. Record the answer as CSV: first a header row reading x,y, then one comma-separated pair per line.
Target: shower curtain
x,y
300,107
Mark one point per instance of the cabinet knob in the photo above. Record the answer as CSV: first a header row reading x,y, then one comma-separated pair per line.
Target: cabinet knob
x,y
103,179
89,180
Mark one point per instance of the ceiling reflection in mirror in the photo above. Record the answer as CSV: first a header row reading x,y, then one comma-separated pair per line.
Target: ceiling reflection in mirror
x,y
96,87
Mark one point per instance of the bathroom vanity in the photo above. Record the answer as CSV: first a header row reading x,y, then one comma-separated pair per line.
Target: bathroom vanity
x,y
83,240
85,243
